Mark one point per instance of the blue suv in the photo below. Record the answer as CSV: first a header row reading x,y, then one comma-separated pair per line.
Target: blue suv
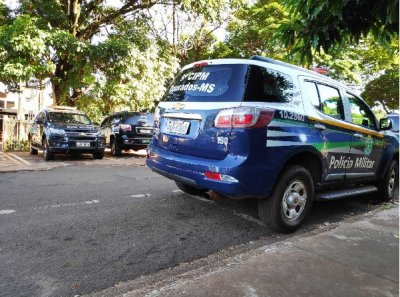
x,y
261,128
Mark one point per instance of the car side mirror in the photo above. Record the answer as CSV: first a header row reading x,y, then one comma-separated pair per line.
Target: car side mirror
x,y
385,124
39,122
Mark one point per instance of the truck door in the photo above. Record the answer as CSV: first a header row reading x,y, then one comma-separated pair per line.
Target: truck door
x,y
330,136
368,144
37,128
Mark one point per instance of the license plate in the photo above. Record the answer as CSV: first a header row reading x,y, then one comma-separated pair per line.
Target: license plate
x,y
146,141
145,131
177,127
83,144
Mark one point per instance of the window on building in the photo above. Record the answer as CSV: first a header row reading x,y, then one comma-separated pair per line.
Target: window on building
x,y
10,104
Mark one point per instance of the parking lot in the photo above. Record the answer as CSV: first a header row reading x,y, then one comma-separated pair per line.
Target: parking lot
x,y
86,225
17,161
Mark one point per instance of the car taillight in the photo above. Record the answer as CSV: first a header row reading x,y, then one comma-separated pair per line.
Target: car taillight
x,y
125,127
244,117
220,177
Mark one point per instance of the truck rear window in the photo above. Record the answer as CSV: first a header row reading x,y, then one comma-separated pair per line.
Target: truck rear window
x,y
135,118
231,82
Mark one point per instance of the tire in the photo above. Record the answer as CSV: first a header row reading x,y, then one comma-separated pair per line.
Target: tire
x,y
98,156
388,187
115,148
190,189
32,150
47,154
291,201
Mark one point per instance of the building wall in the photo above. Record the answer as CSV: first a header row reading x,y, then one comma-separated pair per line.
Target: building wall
x,y
17,109
29,102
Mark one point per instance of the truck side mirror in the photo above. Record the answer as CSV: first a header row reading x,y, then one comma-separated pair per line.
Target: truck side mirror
x,y
385,124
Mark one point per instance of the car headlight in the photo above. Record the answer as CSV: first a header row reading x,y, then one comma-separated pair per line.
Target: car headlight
x,y
58,132
101,133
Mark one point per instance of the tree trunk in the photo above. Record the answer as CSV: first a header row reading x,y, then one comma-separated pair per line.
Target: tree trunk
x,y
60,88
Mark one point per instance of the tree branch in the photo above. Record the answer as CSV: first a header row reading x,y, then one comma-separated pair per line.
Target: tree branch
x,y
94,27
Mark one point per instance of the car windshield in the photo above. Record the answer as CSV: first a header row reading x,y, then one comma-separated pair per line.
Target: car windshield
x,y
69,118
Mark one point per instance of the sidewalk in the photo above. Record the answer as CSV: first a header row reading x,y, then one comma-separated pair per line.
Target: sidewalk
x,y
359,258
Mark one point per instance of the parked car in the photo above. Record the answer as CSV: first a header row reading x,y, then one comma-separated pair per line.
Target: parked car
x,y
60,129
394,117
128,130
261,128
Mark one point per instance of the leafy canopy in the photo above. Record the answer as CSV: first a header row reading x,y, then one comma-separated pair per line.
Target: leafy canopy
x,y
384,90
321,24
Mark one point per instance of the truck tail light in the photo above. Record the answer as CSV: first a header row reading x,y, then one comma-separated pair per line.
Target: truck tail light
x,y
220,177
125,127
244,117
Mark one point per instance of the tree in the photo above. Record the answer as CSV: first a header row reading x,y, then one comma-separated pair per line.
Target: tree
x,y
24,52
323,24
252,29
76,30
384,90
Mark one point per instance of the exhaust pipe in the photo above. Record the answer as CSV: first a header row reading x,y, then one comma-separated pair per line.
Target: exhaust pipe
x,y
215,196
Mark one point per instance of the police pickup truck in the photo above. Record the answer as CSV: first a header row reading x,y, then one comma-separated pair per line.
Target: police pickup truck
x,y
59,129
261,128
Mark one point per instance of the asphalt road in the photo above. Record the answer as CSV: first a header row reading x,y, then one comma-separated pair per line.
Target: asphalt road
x,y
80,229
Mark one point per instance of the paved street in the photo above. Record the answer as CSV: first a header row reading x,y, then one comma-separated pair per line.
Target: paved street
x,y
84,227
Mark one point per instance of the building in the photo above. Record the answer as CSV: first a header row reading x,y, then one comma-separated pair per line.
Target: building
x,y
17,109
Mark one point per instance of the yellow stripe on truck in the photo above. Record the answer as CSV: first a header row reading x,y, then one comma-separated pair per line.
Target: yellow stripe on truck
x,y
347,126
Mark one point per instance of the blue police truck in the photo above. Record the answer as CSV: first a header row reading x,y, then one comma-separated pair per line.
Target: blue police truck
x,y
260,128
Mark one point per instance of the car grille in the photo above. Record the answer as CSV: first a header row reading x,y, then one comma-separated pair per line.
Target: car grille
x,y
81,134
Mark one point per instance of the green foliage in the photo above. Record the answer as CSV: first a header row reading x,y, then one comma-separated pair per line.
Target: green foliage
x,y
252,29
384,90
99,55
15,145
316,25
133,80
24,52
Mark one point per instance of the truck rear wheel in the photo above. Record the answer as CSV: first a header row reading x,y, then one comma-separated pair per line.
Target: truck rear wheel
x,y
291,201
115,148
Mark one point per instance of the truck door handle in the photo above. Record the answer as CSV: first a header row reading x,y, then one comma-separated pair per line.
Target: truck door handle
x,y
357,135
320,127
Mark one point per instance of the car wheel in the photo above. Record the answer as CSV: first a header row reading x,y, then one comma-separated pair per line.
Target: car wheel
x,y
98,156
47,154
190,189
290,202
32,150
390,184
115,148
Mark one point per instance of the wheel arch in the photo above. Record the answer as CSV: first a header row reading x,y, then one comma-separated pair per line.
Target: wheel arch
x,y
309,159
